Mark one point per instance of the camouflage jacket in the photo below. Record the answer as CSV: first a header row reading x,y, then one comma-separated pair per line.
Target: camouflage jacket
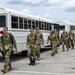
x,y
52,38
71,36
8,41
64,36
49,38
39,38
31,40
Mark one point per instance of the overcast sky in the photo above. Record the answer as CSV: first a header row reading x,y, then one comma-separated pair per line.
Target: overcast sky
x,y
57,10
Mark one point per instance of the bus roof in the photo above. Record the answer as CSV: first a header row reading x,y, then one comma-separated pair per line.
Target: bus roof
x,y
23,14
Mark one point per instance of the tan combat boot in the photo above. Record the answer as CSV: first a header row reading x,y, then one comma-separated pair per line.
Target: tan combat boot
x,y
4,70
38,59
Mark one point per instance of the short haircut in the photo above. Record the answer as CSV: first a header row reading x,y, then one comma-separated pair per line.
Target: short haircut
x,y
5,28
37,28
31,29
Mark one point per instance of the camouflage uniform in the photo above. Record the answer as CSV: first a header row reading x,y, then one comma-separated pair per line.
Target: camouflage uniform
x,y
57,35
49,39
39,41
8,42
71,39
64,40
54,43
7,48
31,42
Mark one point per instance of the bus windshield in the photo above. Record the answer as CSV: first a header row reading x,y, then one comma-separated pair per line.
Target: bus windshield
x,y
2,20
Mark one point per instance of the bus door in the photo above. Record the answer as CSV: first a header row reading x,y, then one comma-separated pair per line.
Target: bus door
x,y
52,27
55,26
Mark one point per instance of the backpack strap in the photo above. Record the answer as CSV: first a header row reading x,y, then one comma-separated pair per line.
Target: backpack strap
x,y
2,41
35,36
11,38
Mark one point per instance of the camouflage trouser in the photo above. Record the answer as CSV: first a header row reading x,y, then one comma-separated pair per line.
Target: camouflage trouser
x,y
65,43
71,43
54,47
31,52
7,54
51,45
38,50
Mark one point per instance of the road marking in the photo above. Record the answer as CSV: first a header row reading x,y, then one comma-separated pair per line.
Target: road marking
x,y
44,73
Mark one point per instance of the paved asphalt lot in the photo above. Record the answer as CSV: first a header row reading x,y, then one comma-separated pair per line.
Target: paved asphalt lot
x,y
63,63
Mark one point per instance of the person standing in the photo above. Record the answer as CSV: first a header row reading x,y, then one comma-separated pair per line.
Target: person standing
x,y
54,41
8,42
57,35
71,39
64,39
49,39
31,46
39,41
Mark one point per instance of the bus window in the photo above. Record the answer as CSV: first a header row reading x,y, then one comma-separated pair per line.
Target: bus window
x,y
2,21
29,24
37,23
72,27
61,27
14,25
20,23
33,24
49,26
14,21
25,23
40,25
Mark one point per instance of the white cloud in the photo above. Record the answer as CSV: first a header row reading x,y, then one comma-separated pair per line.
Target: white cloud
x,y
45,15
69,3
56,2
26,11
4,1
32,1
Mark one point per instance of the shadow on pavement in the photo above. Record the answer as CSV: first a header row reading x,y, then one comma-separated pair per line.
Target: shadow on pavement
x,y
21,55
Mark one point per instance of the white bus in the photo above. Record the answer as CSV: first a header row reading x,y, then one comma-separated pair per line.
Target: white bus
x,y
19,23
65,25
